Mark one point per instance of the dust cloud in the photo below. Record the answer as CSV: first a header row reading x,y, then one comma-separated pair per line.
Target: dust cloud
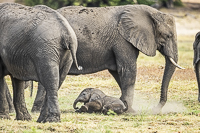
x,y
145,106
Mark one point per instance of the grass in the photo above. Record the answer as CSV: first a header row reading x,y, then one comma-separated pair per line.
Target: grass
x,y
180,114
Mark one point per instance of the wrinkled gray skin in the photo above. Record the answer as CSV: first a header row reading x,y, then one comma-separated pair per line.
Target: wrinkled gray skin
x,y
111,38
96,101
196,48
37,43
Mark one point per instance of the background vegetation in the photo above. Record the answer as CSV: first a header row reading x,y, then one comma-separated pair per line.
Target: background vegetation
x,y
98,3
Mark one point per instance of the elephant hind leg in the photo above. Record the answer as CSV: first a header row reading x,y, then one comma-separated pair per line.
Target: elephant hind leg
x,y
117,108
50,111
39,99
4,108
91,107
19,101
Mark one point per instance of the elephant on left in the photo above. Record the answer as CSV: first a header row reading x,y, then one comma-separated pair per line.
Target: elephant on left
x,y
37,43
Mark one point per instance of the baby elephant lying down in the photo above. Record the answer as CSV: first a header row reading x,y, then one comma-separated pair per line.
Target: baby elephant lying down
x,y
96,101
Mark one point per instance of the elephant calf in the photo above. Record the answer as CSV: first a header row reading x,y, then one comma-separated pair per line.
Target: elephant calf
x,y
96,101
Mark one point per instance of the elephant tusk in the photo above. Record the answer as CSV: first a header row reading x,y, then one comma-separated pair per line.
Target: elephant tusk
x,y
173,62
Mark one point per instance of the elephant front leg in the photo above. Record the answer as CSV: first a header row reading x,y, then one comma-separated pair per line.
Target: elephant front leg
x,y
4,108
126,58
125,78
127,96
19,101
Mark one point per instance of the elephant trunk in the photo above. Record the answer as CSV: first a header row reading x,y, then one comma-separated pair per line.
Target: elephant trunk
x,y
75,102
197,71
168,72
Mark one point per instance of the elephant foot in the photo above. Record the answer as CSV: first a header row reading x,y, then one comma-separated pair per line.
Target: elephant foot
x,y
78,111
104,111
156,110
35,109
23,116
4,116
84,108
42,117
52,117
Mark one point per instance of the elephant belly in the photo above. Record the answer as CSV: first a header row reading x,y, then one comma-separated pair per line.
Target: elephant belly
x,y
93,62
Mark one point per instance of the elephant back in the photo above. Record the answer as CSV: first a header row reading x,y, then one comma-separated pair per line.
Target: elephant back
x,y
91,25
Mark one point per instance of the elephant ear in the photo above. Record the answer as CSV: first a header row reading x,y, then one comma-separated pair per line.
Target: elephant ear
x,y
137,26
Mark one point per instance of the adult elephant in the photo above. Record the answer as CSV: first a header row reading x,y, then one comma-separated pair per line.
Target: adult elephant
x,y
111,38
196,48
37,43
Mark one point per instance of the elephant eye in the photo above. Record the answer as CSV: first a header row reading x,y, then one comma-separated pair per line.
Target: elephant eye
x,y
168,36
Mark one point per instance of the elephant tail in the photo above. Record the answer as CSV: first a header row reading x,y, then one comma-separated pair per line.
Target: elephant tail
x,y
70,39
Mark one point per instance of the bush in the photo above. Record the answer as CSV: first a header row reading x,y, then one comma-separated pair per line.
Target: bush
x,y
146,2
178,3
91,3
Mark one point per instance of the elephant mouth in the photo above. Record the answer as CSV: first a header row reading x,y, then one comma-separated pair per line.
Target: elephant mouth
x,y
173,62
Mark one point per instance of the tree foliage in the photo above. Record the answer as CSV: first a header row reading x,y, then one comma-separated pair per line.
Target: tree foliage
x,y
89,3
97,3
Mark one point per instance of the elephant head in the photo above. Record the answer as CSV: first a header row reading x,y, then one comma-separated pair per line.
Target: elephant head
x,y
149,30
84,96
196,48
88,95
